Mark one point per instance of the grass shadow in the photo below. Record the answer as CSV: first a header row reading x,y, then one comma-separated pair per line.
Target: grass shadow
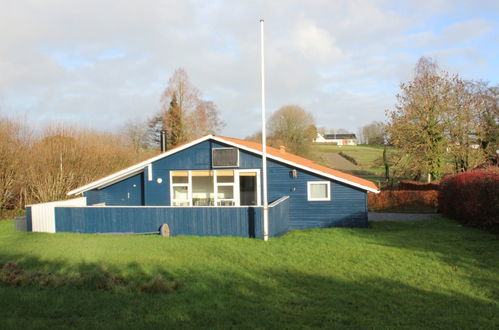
x,y
266,298
23,271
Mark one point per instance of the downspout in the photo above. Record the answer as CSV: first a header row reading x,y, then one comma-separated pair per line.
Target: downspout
x,y
264,144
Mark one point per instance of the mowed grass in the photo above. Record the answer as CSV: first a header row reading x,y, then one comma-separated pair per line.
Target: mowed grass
x,y
366,155
426,274
369,159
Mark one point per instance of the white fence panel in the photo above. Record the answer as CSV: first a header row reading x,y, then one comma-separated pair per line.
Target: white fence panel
x,y
43,214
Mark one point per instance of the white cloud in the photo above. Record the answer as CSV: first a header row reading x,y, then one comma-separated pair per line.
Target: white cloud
x,y
99,63
316,43
465,31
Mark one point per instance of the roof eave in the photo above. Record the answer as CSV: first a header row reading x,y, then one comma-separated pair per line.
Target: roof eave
x,y
297,165
115,177
105,181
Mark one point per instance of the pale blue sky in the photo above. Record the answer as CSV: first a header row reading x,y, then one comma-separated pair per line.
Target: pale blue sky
x,y
102,63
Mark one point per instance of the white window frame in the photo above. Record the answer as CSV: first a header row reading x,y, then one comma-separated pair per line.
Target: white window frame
x,y
235,189
234,185
258,193
230,166
189,189
328,189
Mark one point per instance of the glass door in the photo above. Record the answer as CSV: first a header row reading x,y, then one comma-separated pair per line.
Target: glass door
x,y
249,187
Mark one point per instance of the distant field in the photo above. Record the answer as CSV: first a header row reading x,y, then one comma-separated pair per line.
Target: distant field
x,y
365,154
411,275
368,157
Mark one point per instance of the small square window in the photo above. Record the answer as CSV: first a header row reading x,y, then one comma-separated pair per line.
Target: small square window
x,y
319,190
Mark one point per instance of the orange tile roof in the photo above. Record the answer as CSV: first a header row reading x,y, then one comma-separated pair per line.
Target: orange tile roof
x,y
302,161
248,144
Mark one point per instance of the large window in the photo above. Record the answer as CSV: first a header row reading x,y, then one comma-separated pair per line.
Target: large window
x,y
180,188
319,190
215,188
203,193
225,185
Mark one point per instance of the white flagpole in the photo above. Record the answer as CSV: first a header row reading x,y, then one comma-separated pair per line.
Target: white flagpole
x,y
264,145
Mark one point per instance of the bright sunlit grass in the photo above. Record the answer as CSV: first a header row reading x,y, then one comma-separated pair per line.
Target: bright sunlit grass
x,y
428,274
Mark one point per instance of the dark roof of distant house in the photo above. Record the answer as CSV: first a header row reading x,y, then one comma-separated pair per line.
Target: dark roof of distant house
x,y
340,136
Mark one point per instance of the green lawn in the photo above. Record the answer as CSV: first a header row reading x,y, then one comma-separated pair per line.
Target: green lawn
x,y
428,274
368,157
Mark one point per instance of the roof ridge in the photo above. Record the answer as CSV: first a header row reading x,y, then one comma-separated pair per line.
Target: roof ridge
x,y
278,155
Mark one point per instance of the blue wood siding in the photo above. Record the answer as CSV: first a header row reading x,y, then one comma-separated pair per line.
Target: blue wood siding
x,y
29,219
197,157
348,205
127,192
200,221
279,219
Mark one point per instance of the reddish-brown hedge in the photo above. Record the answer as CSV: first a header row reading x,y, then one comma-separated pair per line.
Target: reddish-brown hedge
x,y
404,200
417,185
472,198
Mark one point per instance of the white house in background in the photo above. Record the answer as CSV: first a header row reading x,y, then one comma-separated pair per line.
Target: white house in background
x,y
339,139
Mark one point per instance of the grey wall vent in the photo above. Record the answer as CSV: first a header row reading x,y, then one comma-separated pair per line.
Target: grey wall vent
x,y
225,157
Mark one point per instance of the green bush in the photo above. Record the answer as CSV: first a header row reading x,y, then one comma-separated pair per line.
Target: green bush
x,y
349,158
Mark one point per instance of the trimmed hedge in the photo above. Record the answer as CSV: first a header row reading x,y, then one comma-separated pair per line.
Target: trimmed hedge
x,y
472,198
417,185
349,158
404,200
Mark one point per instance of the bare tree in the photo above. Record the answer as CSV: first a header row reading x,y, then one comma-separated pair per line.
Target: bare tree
x,y
205,120
426,66
135,134
463,125
12,147
187,95
255,137
64,157
322,130
373,133
292,127
183,112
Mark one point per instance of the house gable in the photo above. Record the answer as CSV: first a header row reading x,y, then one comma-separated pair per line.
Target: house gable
x,y
197,155
129,192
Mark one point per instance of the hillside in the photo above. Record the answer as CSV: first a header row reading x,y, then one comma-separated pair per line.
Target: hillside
x,y
369,160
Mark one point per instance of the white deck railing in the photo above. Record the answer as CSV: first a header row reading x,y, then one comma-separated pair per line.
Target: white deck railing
x,y
279,201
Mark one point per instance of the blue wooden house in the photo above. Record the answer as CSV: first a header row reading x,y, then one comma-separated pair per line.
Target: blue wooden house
x,y
212,187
